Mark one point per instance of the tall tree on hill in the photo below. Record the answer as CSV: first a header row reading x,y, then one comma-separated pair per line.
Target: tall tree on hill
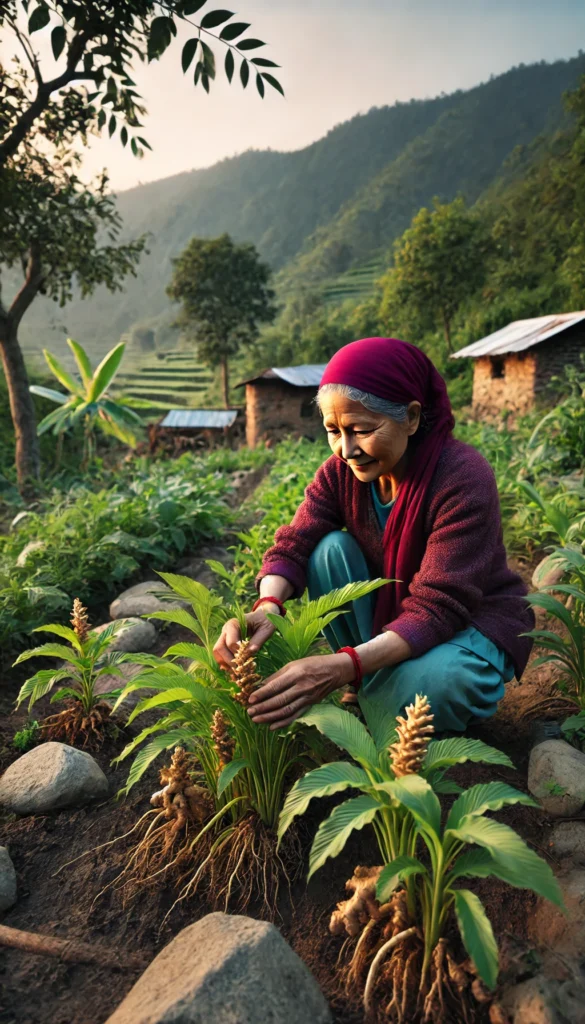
x,y
225,295
48,223
439,261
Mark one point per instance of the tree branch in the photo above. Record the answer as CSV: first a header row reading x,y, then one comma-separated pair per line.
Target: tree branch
x,y
30,54
32,283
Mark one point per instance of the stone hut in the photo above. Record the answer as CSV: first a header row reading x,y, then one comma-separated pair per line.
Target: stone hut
x,y
513,366
281,401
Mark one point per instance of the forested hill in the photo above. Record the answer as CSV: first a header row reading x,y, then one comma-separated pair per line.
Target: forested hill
x,y
319,210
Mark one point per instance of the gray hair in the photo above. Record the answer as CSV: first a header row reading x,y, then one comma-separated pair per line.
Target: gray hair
x,y
394,410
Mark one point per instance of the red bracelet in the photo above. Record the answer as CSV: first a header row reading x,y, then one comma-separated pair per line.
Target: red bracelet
x,y
357,664
273,600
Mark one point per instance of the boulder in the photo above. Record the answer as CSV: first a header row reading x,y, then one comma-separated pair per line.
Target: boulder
x,y
567,841
136,635
556,777
7,880
550,928
49,777
144,599
229,970
542,1001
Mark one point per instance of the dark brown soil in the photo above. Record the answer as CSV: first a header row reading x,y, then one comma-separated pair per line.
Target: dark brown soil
x,y
35,990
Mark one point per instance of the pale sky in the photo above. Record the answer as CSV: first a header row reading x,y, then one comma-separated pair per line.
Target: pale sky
x,y
338,58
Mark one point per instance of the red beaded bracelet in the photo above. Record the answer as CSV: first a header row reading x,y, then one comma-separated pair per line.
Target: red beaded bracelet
x,y
357,664
273,600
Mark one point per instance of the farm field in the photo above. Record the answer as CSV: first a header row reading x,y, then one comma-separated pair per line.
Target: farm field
x,y
167,380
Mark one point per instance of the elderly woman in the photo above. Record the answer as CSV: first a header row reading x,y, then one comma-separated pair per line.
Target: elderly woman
x,y
402,499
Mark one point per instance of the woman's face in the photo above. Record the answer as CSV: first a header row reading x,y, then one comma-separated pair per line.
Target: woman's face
x,y
373,445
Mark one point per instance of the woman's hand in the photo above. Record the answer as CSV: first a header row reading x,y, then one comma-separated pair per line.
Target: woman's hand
x,y
300,684
259,629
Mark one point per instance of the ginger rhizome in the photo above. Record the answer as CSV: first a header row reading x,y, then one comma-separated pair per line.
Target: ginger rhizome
x,y
414,733
243,670
180,798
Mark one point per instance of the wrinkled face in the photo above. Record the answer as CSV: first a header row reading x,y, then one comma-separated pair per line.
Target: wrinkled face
x,y
373,445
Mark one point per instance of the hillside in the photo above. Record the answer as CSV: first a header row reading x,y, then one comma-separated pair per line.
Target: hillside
x,y
319,211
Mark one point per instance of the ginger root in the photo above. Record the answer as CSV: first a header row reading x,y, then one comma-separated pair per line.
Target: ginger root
x,y
180,798
353,914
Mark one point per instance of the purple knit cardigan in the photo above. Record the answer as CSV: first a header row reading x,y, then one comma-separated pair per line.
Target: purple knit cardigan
x,y
463,580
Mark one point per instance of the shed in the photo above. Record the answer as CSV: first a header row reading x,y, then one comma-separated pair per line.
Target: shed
x,y
281,401
196,428
514,366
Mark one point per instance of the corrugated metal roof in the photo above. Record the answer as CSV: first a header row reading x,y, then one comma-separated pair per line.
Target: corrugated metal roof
x,y
202,419
308,375
520,335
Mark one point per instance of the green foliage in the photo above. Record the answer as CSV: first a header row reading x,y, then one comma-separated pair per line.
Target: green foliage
x,y
89,401
27,738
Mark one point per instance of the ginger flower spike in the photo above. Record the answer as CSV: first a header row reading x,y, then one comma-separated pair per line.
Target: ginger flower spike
x,y
414,733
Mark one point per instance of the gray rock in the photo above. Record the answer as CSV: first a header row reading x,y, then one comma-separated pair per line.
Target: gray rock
x,y
136,635
556,777
549,571
567,841
143,599
107,683
550,928
543,1001
7,880
49,777
229,970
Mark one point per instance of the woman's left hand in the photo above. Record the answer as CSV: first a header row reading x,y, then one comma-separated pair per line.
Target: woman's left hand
x,y
300,684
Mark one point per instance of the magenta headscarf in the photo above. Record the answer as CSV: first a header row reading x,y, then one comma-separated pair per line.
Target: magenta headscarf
x,y
400,372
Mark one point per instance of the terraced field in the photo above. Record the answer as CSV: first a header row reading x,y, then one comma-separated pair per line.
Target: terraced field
x,y
356,283
167,380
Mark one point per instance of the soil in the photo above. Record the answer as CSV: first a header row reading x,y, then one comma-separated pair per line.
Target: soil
x,y
60,879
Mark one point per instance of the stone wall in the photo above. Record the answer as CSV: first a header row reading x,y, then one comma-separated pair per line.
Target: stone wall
x,y
516,382
275,409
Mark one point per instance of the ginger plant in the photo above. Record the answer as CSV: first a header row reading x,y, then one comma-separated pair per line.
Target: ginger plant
x,y
86,718
245,767
404,908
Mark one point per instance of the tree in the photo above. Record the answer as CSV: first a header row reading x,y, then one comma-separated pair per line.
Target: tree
x,y
88,400
95,42
225,295
51,226
439,261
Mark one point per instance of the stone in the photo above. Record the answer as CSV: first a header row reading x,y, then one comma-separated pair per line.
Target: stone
x,y
135,636
556,777
143,599
549,571
7,880
567,841
543,1001
229,970
550,928
49,777
108,683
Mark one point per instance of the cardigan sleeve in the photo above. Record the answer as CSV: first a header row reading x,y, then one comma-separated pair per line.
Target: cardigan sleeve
x,y
465,533
319,513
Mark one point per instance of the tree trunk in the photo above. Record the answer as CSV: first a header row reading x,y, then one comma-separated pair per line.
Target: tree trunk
x,y
27,458
225,384
447,328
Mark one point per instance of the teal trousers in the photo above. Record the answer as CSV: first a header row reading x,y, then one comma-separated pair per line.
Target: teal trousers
x,y
463,678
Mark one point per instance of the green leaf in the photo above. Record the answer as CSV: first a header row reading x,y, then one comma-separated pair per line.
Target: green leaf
x,y
324,781
334,832
63,631
260,85
525,869
39,18
417,795
381,724
82,360
61,374
394,873
343,729
189,50
162,30
477,934
250,44
232,31
486,796
106,371
273,82
177,737
214,18
229,773
143,142
262,62
53,396
58,40
192,6
124,135
40,684
458,749
229,70
244,73
49,651
112,125
186,694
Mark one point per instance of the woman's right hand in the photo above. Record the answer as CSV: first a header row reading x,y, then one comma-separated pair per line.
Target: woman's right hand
x,y
260,628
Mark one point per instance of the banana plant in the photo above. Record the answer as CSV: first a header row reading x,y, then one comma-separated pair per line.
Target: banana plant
x,y
88,400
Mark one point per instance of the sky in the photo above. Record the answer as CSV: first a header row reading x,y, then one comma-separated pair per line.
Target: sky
x,y
338,58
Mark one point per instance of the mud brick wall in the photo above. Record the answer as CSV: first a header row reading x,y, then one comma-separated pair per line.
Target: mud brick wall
x,y
275,409
517,382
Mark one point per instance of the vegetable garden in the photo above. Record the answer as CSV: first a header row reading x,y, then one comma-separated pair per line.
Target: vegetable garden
x,y
406,868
